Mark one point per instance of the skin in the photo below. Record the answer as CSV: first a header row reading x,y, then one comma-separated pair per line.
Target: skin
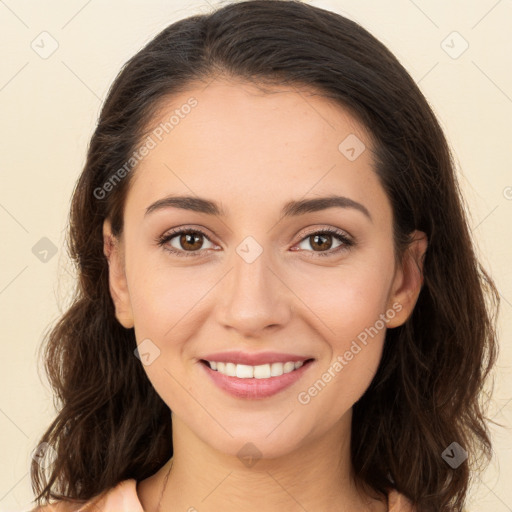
x,y
263,149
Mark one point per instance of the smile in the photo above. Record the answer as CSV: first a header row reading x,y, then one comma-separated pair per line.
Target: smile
x,y
263,371
254,382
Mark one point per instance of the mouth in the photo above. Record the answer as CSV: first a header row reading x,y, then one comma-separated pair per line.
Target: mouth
x,y
263,371
255,382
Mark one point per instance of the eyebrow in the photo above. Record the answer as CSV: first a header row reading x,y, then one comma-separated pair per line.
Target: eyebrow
x,y
290,209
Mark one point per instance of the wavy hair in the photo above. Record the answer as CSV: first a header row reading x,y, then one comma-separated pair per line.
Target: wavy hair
x,y
427,393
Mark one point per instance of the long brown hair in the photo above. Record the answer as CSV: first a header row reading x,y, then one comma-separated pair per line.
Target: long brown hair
x,y
111,424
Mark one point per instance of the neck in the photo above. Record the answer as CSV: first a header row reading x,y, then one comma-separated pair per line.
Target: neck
x,y
314,477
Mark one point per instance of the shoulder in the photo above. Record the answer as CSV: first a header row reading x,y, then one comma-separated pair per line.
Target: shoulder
x,y
398,502
121,498
60,506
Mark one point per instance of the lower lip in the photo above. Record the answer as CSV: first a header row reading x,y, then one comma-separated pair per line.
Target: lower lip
x,y
255,388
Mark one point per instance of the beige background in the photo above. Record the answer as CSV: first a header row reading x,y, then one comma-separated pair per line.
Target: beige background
x,y
48,110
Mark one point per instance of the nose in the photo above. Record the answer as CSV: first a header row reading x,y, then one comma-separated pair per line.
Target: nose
x,y
253,299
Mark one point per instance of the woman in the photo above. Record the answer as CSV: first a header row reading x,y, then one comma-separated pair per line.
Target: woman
x,y
271,244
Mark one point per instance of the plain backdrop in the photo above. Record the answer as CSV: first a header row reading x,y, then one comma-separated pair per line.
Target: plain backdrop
x,y
58,59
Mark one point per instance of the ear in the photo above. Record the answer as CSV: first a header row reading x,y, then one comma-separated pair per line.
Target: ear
x,y
117,278
408,280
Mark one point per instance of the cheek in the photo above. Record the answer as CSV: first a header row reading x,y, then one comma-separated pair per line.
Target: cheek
x,y
350,313
340,383
346,299
167,300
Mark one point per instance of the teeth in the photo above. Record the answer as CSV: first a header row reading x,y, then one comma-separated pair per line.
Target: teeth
x,y
243,371
263,371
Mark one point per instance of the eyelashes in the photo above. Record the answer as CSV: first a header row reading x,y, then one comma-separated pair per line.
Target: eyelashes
x,y
319,237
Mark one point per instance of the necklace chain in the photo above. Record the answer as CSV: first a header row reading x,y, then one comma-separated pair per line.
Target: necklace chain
x,y
165,485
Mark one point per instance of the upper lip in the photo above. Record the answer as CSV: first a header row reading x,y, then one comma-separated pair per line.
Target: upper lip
x,y
255,359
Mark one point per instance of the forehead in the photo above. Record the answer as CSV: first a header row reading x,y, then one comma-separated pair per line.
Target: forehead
x,y
234,140
237,111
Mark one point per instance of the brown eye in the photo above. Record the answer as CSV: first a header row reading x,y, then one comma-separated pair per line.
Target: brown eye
x,y
185,242
190,241
321,242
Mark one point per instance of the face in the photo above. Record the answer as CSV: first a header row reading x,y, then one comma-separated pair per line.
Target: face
x,y
258,276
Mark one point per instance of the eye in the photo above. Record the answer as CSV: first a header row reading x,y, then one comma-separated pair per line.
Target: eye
x,y
184,242
322,242
188,242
